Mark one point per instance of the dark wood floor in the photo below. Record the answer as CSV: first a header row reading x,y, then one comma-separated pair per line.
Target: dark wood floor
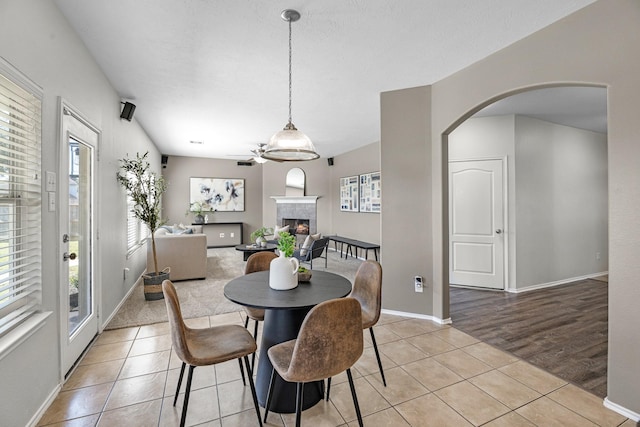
x,y
562,330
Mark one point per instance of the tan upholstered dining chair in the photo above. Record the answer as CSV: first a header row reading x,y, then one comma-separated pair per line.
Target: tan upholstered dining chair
x,y
329,342
260,261
367,289
207,346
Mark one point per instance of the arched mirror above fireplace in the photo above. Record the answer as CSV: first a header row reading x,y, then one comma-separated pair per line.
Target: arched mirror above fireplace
x,y
295,183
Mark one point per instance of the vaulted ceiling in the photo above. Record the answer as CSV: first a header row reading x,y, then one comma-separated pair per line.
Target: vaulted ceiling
x,y
216,71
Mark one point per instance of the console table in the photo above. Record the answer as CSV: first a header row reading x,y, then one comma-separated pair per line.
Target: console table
x,y
222,234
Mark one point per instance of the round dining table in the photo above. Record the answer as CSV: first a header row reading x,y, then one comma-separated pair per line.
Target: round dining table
x,y
284,313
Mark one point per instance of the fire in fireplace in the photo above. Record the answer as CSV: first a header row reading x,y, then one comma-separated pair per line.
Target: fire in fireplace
x,y
297,226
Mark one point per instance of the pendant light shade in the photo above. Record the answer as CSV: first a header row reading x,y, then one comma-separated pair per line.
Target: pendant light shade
x,y
290,144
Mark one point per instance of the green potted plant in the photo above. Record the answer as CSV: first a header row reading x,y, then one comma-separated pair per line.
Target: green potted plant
x,y
145,188
283,271
287,244
258,236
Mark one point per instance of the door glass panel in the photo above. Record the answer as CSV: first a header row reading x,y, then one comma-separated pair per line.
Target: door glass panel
x,y
79,263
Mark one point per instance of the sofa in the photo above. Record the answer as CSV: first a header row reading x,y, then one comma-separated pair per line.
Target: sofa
x,y
183,249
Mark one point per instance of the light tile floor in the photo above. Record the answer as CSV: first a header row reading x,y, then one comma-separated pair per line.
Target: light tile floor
x,y
436,376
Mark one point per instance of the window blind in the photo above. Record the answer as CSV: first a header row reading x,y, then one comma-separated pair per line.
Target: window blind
x,y
20,204
137,231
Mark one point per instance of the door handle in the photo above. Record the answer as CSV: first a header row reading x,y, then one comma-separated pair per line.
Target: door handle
x,y
498,231
66,256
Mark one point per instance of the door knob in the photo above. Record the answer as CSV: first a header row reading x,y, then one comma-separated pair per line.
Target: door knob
x,y
498,231
67,256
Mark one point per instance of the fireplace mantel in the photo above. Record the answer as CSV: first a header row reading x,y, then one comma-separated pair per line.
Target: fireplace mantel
x,y
295,199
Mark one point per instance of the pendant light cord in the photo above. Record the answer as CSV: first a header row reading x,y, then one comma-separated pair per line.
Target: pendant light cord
x,y
290,74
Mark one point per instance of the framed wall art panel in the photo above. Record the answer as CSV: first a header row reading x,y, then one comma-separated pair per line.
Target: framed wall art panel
x,y
349,194
217,194
370,192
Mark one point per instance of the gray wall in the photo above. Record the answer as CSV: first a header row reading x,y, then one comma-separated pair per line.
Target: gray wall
x,y
176,200
38,42
406,201
557,194
357,225
596,45
561,202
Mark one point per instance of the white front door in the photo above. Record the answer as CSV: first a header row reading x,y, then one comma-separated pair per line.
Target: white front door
x,y
77,236
476,212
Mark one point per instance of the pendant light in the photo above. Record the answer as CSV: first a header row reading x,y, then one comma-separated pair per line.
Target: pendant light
x,y
290,144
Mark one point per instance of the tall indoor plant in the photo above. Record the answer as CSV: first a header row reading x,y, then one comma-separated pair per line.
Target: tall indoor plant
x,y
145,188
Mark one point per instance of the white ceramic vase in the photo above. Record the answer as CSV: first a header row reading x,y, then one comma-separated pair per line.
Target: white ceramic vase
x,y
283,273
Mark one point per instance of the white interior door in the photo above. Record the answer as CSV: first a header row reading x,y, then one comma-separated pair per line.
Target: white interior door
x,y
476,223
77,236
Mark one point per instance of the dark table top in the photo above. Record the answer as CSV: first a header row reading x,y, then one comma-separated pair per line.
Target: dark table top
x,y
253,290
252,248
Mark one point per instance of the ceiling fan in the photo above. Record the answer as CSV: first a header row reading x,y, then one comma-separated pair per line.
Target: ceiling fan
x,y
258,154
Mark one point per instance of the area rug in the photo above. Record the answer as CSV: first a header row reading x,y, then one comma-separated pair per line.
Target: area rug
x,y
205,297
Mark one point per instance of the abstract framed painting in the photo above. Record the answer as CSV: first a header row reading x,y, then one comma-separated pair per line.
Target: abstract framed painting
x,y
217,194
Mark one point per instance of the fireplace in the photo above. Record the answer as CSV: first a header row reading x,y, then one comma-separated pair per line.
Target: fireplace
x,y
296,225
298,210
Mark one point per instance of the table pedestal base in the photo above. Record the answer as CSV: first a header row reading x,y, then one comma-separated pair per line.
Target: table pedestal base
x,y
281,326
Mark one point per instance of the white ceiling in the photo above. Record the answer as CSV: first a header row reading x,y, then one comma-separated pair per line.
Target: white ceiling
x,y
216,70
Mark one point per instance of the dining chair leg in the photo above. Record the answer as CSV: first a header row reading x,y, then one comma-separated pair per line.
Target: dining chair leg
x,y
187,392
355,398
242,372
246,322
269,394
299,402
175,398
255,337
375,347
253,389
328,387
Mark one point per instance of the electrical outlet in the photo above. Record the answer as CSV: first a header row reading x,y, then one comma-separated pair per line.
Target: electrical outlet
x,y
222,235
418,283
232,234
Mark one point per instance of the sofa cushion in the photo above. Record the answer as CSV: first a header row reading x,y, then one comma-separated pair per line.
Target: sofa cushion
x,y
308,242
183,231
178,229
163,231
277,230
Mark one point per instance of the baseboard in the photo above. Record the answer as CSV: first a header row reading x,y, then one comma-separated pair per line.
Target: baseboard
x,y
621,410
556,283
417,316
33,422
124,299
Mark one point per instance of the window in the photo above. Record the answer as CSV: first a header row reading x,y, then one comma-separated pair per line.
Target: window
x,y
137,231
20,201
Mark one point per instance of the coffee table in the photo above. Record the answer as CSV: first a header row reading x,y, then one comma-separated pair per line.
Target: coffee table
x,y
284,313
249,250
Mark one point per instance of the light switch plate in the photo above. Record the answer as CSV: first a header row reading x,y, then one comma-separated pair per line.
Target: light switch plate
x,y
52,201
51,181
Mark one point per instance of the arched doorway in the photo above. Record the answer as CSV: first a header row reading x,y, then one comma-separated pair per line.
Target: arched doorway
x,y
553,145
